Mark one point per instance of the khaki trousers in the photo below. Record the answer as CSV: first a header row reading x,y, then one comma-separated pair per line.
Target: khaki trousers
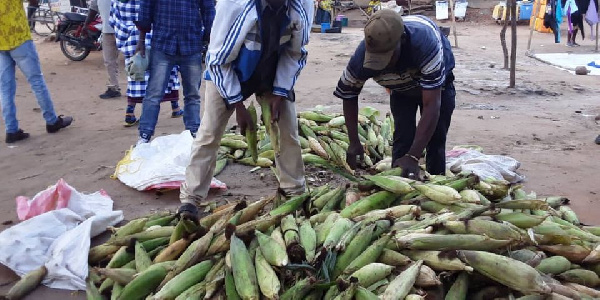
x,y
110,53
199,173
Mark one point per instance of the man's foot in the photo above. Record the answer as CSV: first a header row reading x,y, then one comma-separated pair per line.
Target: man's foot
x,y
576,45
569,44
110,93
188,211
598,140
142,140
16,136
130,121
62,122
177,114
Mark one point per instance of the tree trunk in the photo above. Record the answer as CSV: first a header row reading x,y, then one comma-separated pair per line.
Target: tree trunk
x,y
503,34
513,42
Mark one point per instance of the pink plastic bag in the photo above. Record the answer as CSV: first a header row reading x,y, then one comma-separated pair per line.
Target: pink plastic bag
x,y
54,197
174,185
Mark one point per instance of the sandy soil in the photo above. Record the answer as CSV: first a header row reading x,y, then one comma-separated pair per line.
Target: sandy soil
x,y
546,122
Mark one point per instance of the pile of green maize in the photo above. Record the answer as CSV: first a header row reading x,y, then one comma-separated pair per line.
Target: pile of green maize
x,y
323,138
379,237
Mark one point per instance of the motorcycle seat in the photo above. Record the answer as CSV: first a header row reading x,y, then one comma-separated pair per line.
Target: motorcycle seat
x,y
75,17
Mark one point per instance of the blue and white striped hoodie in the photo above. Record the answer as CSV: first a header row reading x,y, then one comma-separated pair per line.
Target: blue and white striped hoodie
x,y
235,46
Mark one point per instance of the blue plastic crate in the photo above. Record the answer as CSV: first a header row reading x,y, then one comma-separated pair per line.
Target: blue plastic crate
x,y
525,10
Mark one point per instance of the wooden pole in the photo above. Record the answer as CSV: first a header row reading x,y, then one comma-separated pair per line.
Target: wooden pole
x,y
453,23
536,7
513,42
506,14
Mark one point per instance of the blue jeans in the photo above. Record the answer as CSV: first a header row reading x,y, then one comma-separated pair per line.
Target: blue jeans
x,y
161,64
26,58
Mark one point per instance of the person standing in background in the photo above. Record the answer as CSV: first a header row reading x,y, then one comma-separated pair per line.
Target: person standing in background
x,y
180,28
17,49
123,14
110,53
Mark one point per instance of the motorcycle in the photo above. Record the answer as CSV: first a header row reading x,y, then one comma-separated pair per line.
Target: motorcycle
x,y
77,42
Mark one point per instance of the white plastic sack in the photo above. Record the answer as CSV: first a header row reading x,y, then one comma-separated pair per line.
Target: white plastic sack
x,y
159,164
485,166
59,239
441,10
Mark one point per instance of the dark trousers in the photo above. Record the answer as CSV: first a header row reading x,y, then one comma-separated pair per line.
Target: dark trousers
x,y
404,110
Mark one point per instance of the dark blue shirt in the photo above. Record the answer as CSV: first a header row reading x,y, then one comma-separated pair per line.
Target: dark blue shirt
x,y
425,60
178,26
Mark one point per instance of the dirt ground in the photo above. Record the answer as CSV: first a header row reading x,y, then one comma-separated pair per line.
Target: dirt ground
x,y
546,123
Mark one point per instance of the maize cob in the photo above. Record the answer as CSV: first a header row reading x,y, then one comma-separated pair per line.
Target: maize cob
x,y
378,200
341,226
491,229
314,295
523,204
317,148
512,273
340,154
196,291
273,252
267,279
291,205
230,289
437,261
427,278
372,136
359,243
320,202
583,290
393,212
190,256
101,252
91,293
470,196
144,283
278,237
239,153
370,255
289,228
134,226
553,265
220,165
119,275
116,291
425,241
581,276
372,273
184,281
458,290
316,160
401,285
315,116
121,257
594,256
414,297
392,184
298,291
569,215
251,134
521,220
335,200
269,154
28,283
574,253
307,131
348,293
439,193
173,251
244,273
149,234
308,240
142,259
152,244
364,294
339,136
348,236
527,256
337,121
260,162
393,258
233,143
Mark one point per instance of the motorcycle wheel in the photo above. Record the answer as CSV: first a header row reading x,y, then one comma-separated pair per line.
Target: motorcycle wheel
x,y
71,51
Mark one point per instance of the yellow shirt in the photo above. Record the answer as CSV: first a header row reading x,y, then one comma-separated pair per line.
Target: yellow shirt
x,y
14,29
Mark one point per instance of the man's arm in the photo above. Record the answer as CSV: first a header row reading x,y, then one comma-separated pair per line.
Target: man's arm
x,y
293,59
208,16
432,100
93,12
225,44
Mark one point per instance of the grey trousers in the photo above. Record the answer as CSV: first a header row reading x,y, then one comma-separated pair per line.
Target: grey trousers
x,y
110,53
199,173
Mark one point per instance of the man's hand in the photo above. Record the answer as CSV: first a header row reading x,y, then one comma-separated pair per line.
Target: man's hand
x,y
354,155
243,118
409,165
275,103
141,48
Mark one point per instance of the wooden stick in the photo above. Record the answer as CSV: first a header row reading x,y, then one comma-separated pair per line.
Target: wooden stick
x,y
453,23
513,42
536,7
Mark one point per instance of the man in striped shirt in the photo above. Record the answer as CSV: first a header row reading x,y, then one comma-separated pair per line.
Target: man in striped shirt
x,y
410,57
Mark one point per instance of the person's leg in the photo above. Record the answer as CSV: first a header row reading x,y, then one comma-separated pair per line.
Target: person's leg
x,y
289,162
575,30
199,173
8,89
110,53
28,61
404,111
190,67
436,149
177,111
160,69
130,119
